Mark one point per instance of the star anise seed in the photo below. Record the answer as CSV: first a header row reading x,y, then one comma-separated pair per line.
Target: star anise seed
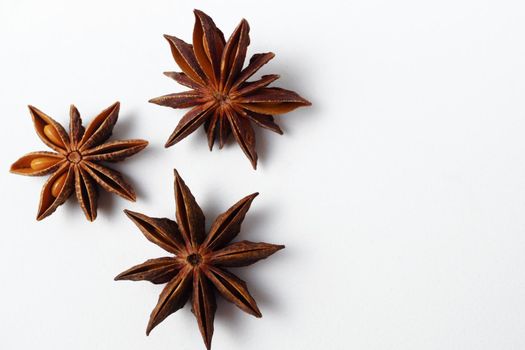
x,y
221,97
197,268
75,164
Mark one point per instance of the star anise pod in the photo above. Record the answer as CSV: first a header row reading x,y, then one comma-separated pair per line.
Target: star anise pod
x,y
76,163
197,268
222,98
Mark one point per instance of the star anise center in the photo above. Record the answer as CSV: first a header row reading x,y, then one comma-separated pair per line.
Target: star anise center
x,y
74,157
221,98
194,259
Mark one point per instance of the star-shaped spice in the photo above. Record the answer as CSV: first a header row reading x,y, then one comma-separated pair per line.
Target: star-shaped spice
x,y
76,163
222,98
197,268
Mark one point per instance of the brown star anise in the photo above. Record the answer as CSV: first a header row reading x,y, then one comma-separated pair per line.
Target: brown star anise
x,y
221,97
76,163
197,269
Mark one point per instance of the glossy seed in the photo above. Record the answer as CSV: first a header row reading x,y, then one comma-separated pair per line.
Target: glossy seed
x,y
42,163
59,183
53,135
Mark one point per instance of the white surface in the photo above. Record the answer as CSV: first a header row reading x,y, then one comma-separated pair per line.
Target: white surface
x,y
400,195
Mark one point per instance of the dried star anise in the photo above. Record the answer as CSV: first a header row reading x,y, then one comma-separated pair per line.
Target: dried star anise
x,y
221,97
76,163
197,269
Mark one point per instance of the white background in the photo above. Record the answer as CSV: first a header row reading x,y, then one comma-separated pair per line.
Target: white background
x,y
400,194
